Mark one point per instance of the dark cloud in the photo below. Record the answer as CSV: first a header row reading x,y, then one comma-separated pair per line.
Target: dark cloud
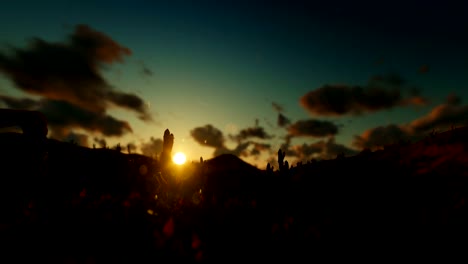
x,y
131,101
323,149
382,92
259,147
332,149
305,151
252,132
211,136
152,148
62,117
440,117
283,120
378,137
414,101
424,68
312,128
239,150
208,135
277,107
19,103
453,99
70,71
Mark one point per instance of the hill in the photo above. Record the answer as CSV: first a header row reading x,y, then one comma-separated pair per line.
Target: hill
x,y
101,205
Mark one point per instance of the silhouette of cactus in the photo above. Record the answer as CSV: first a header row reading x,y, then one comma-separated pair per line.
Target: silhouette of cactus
x,y
168,143
269,169
283,165
340,156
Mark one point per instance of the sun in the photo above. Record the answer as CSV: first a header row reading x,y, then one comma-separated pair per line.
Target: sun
x,y
179,158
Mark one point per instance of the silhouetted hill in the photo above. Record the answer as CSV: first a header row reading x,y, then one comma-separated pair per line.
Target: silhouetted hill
x,y
228,175
229,163
107,206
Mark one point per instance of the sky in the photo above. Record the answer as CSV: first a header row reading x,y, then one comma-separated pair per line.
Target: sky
x,y
243,77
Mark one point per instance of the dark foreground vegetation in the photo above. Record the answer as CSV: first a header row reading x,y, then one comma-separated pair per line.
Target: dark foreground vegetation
x,y
68,204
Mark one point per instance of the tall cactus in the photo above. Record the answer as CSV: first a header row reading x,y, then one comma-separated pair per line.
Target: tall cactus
x,y
283,165
269,169
168,143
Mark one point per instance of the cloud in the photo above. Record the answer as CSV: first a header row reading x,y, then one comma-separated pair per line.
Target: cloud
x,y
323,149
312,128
259,147
239,150
332,149
441,116
70,71
131,102
102,143
211,136
382,92
424,68
63,117
277,107
378,137
208,135
282,120
453,99
152,148
252,132
308,150
19,103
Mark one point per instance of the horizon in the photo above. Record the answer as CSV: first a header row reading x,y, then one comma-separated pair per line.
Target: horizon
x,y
244,77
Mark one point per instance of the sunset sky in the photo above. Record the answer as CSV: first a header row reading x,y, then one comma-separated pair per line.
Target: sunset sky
x,y
242,77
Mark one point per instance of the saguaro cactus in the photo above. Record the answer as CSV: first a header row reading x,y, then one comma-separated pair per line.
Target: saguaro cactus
x,y
168,143
283,165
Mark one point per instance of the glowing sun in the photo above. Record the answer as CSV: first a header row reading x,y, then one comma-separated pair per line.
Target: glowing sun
x,y
179,158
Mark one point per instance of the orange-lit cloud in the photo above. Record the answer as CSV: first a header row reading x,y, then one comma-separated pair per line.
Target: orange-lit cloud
x,y
378,137
441,117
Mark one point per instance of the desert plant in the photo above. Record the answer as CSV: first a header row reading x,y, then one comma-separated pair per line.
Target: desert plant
x,y
269,169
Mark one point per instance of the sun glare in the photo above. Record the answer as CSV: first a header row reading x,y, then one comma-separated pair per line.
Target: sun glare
x,y
179,158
